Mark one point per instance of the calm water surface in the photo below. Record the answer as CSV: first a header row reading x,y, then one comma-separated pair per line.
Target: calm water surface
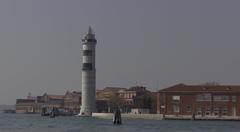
x,y
36,123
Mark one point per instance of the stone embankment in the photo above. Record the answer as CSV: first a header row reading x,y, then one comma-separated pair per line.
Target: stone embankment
x,y
213,118
129,116
166,117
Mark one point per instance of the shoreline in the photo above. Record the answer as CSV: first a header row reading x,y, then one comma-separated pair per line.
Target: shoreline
x,y
155,117
129,116
167,117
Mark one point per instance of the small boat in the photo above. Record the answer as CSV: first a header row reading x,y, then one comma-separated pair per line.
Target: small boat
x,y
54,112
52,115
9,111
45,112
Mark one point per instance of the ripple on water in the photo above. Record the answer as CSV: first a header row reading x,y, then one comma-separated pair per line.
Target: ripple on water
x,y
36,123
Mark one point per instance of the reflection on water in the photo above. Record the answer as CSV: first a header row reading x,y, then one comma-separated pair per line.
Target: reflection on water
x,y
36,123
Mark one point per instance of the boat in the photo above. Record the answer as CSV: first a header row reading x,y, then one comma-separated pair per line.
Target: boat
x,y
9,111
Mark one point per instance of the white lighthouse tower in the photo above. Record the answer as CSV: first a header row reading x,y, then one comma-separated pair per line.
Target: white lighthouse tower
x,y
88,74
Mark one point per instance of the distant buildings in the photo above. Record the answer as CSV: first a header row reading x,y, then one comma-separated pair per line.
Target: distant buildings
x,y
72,101
25,105
199,100
106,101
136,97
69,101
177,100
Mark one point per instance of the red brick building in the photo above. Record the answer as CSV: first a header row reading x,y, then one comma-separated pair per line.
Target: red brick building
x,y
201,100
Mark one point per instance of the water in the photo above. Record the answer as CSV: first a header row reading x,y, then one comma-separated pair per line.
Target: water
x,y
36,123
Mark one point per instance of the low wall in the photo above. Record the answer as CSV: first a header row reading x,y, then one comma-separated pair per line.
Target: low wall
x,y
167,117
129,116
188,117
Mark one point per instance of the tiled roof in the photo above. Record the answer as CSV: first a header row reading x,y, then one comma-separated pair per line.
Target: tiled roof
x,y
202,88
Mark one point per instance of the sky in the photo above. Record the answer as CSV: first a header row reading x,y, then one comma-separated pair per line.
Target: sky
x,y
154,43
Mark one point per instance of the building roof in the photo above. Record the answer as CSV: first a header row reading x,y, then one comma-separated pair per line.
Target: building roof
x,y
202,88
21,101
137,88
114,89
74,93
56,96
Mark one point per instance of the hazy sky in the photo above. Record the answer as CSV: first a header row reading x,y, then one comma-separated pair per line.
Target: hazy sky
x,y
155,43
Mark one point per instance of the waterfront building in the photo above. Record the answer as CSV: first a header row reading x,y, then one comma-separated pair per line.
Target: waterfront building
x,y
102,105
51,101
199,100
130,96
137,97
107,100
88,74
109,92
72,101
25,106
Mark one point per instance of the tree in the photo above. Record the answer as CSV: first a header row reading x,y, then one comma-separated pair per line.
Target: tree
x,y
144,101
114,102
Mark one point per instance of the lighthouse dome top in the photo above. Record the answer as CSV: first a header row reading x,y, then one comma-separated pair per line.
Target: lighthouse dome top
x,y
90,36
90,30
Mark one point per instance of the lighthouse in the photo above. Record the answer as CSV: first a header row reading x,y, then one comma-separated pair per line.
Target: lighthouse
x,y
88,74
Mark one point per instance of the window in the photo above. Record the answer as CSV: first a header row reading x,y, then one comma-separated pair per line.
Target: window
x,y
208,111
225,111
91,40
189,108
87,66
221,98
176,108
176,98
199,111
216,111
87,53
234,98
203,97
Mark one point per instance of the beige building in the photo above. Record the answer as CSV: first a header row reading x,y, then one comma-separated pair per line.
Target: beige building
x,y
69,101
25,106
50,101
72,101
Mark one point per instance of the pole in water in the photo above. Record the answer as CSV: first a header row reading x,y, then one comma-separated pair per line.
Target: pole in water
x,y
117,120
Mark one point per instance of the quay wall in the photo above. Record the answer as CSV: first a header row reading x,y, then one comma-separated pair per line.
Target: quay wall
x,y
166,117
129,116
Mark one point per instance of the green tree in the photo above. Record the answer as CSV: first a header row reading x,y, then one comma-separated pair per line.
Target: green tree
x,y
114,102
144,101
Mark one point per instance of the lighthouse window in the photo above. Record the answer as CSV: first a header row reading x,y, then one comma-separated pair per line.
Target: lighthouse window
x,y
91,40
87,53
87,66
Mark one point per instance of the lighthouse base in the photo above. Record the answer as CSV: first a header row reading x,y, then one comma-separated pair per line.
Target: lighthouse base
x,y
86,111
